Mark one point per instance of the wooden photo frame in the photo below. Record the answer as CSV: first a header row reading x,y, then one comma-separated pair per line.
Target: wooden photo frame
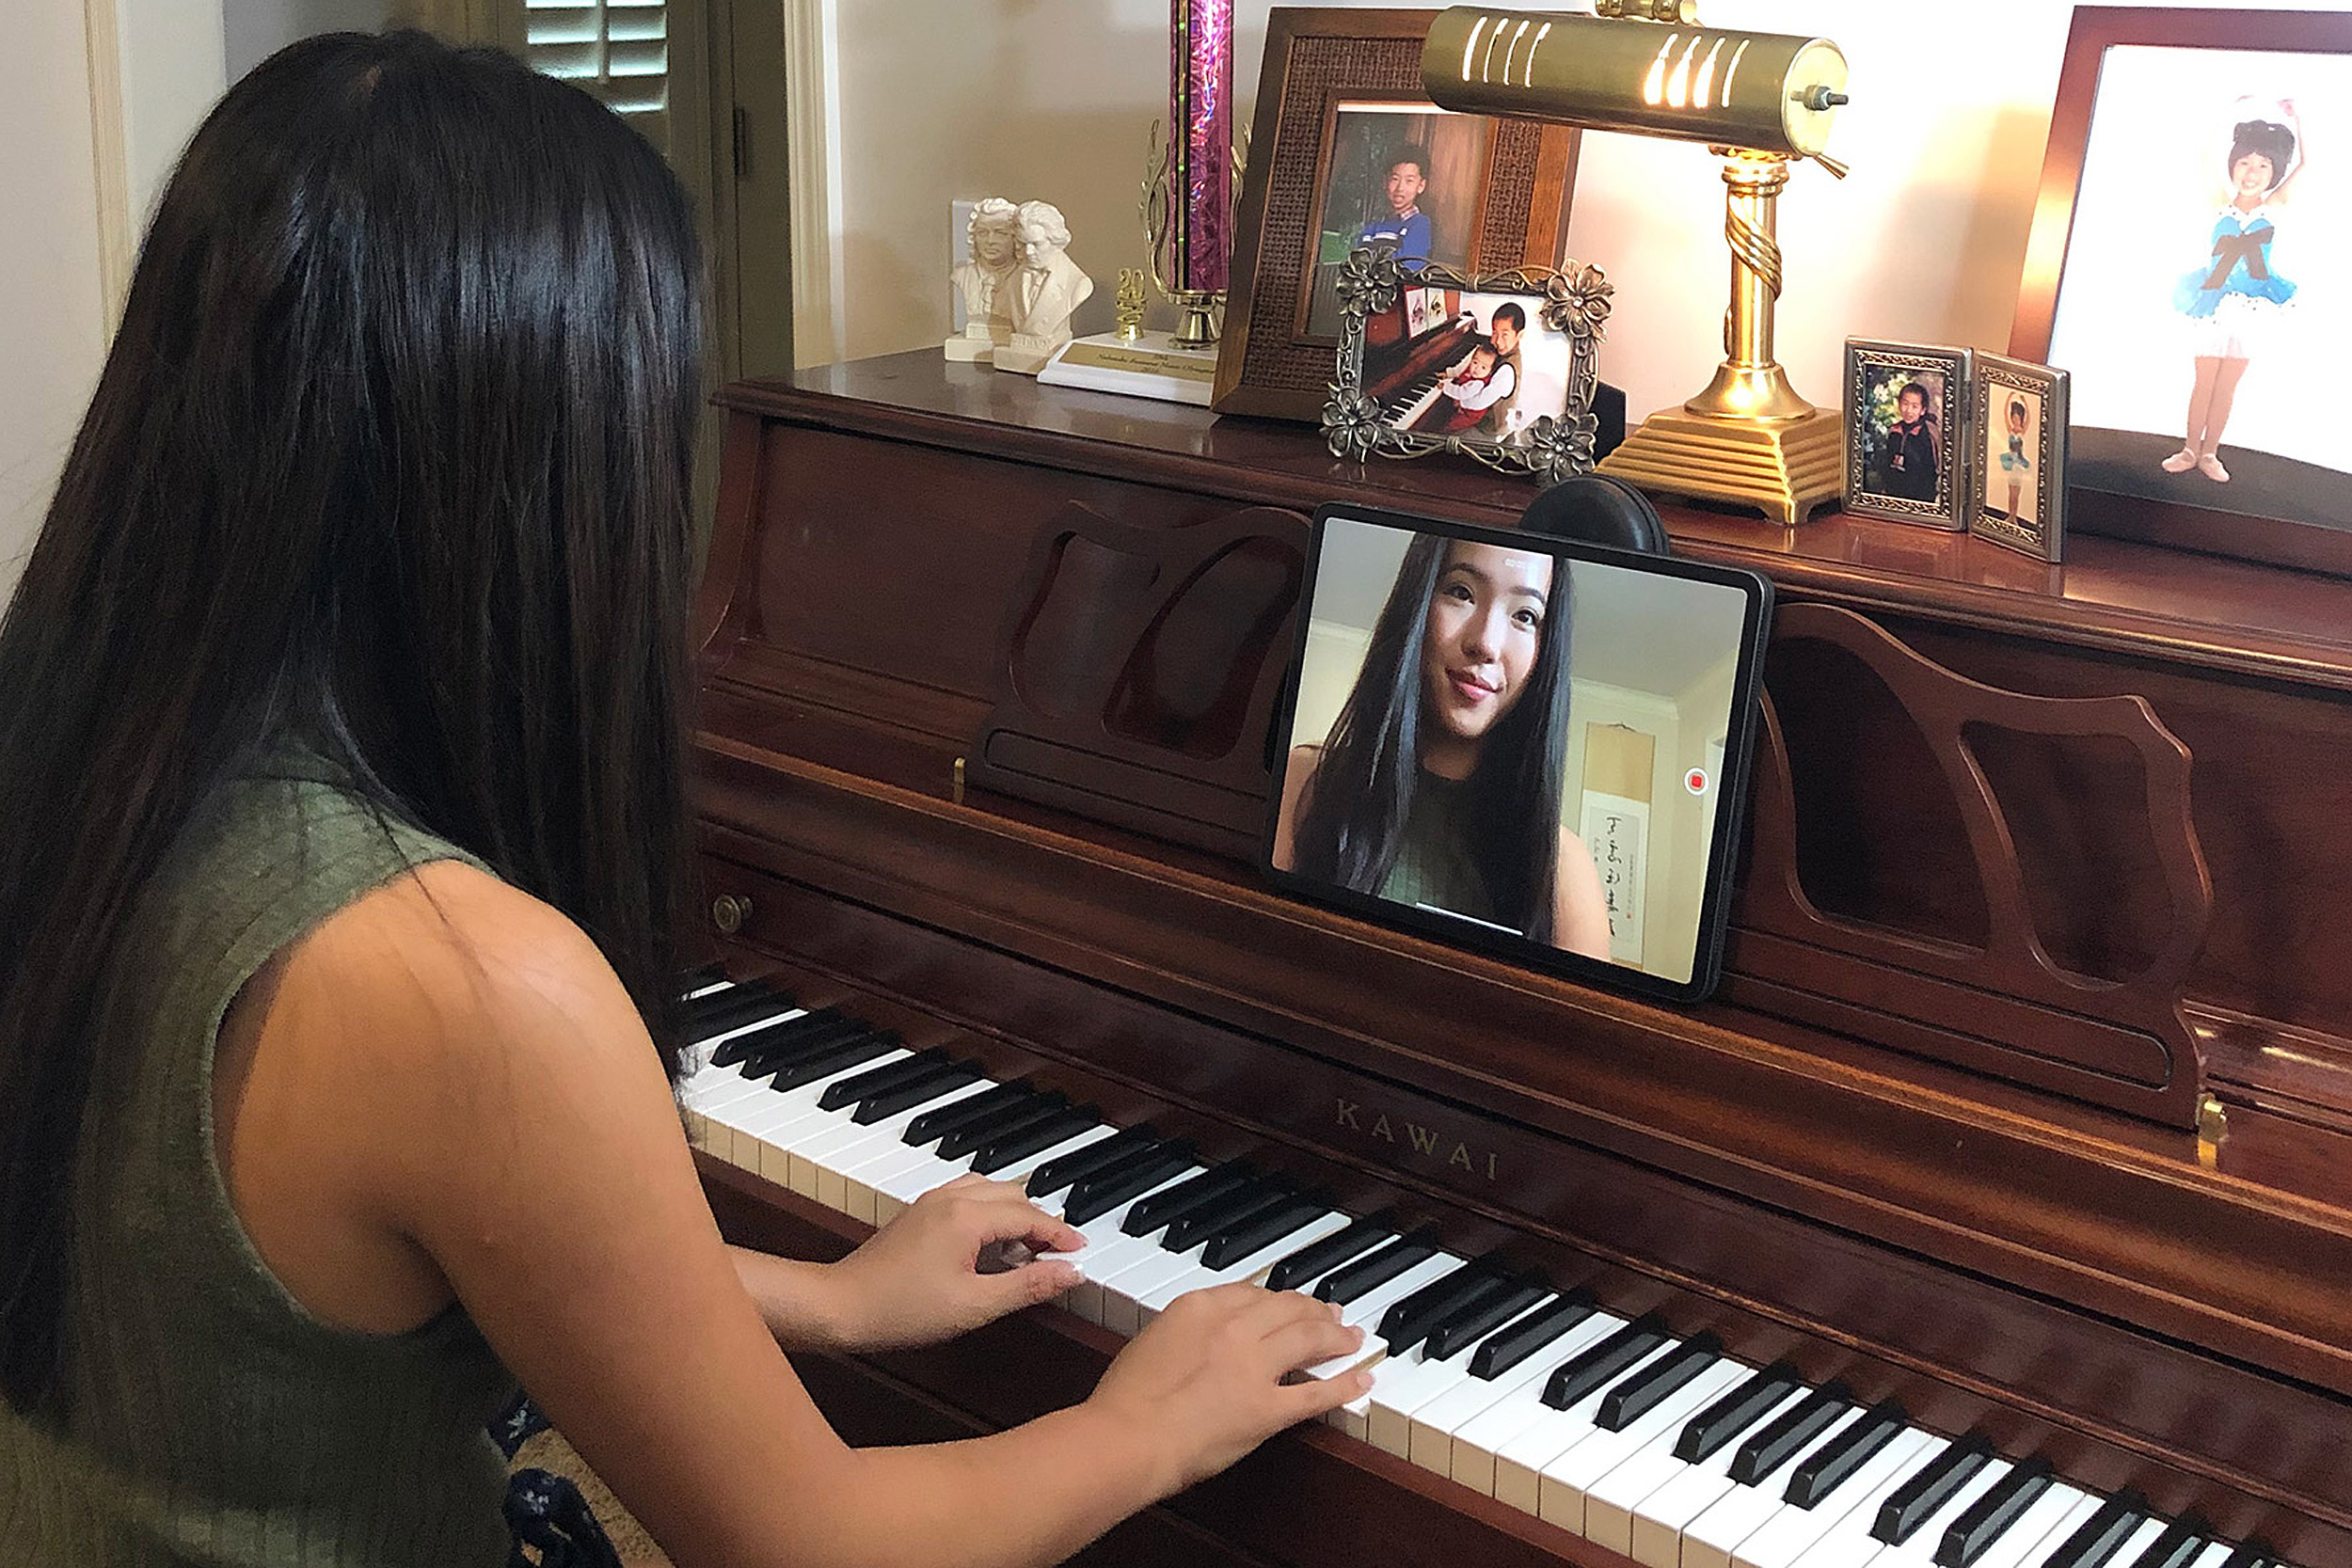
x,y
2019,413
2204,410
1908,460
1331,74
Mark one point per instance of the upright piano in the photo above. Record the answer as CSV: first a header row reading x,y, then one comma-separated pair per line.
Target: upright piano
x,y
2026,1105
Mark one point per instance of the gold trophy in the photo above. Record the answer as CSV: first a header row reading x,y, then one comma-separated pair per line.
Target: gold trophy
x,y
1760,101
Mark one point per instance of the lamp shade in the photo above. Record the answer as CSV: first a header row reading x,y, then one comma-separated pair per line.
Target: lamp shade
x,y
1763,92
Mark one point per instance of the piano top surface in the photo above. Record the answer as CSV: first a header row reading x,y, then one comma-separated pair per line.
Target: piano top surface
x,y
2110,592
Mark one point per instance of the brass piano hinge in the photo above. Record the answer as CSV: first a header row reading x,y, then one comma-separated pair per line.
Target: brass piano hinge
x,y
957,787
2213,1125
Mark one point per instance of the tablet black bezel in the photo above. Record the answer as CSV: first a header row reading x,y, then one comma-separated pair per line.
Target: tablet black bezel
x,y
1731,789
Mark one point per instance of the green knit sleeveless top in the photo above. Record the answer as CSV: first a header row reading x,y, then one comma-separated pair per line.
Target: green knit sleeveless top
x,y
1435,865
210,1419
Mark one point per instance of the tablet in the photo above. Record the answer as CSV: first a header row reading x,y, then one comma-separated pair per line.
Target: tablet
x,y
1521,745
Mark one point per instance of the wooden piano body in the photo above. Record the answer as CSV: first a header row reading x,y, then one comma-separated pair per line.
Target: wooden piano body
x,y
2089,1193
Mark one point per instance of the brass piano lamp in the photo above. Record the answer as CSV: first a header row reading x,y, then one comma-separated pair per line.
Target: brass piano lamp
x,y
1759,101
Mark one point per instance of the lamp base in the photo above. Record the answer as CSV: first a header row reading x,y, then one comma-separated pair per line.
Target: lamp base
x,y
1784,468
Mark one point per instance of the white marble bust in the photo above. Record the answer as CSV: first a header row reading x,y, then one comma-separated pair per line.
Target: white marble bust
x,y
1044,290
992,248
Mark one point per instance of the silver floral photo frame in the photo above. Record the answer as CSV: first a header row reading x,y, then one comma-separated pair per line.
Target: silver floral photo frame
x,y
1500,367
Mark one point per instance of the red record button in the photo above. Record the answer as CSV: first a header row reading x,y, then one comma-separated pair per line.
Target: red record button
x,y
1695,781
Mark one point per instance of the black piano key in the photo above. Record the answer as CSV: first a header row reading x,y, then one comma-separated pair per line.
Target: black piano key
x,y
1317,1259
1935,1483
1365,1275
1837,1460
1508,1346
881,1080
1035,1138
979,1133
840,1058
2103,1533
1163,1208
1736,1411
946,1118
950,1077
1066,1170
1416,1314
2183,1543
2254,1554
1095,1195
786,1037
699,976
1789,1434
1597,1366
1637,1395
1469,1327
735,1008
1263,1229
1987,1519
1197,1224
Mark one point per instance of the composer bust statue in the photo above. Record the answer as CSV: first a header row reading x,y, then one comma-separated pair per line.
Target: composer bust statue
x,y
992,246
1044,290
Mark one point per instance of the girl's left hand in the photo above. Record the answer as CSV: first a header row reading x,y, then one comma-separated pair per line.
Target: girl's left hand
x,y
917,1280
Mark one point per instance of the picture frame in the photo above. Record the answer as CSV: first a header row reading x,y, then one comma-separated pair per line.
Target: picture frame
x,y
2137,188
1500,367
2019,412
1908,440
1326,70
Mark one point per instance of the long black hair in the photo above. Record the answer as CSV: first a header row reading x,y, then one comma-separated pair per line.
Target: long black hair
x,y
390,458
1351,824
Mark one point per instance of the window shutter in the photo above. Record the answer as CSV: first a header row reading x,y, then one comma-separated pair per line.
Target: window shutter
x,y
617,49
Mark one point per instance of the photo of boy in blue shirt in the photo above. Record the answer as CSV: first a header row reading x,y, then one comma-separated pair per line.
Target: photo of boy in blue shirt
x,y
1405,226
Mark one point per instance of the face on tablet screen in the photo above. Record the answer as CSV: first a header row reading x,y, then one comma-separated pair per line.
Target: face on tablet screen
x,y
1526,744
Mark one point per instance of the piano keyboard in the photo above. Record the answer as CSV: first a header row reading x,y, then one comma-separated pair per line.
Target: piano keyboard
x,y
1655,1445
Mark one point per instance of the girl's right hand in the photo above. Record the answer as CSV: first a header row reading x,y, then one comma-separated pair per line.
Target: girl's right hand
x,y
1205,1379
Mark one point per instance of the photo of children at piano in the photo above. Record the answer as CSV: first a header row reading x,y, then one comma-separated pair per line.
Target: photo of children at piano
x,y
1402,175
346,676
1477,395
1443,780
1907,455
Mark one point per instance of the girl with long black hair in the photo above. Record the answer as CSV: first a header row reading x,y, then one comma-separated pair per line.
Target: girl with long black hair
x,y
341,830
1443,781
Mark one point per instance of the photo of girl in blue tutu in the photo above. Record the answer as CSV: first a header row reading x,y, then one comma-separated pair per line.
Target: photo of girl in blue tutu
x,y
2233,300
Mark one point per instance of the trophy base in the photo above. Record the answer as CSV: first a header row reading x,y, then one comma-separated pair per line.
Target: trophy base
x,y
1151,366
1784,469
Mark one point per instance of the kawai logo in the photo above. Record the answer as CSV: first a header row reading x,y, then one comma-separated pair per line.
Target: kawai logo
x,y
1404,1134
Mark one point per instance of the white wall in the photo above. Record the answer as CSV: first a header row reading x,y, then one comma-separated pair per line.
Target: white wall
x,y
255,29
53,324
939,99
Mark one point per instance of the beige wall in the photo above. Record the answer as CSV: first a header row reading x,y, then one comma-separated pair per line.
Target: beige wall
x,y
97,96
940,98
52,318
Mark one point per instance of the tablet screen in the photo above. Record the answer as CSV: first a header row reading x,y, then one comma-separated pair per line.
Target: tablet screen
x,y
1529,746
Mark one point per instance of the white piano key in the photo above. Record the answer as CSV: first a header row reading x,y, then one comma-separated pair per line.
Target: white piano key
x,y
713,988
1663,1493
2134,1544
1782,1540
1478,1440
861,1197
776,1118
1430,1444
1710,1540
834,1157
1159,1298
1519,1463
2214,1556
1561,1491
